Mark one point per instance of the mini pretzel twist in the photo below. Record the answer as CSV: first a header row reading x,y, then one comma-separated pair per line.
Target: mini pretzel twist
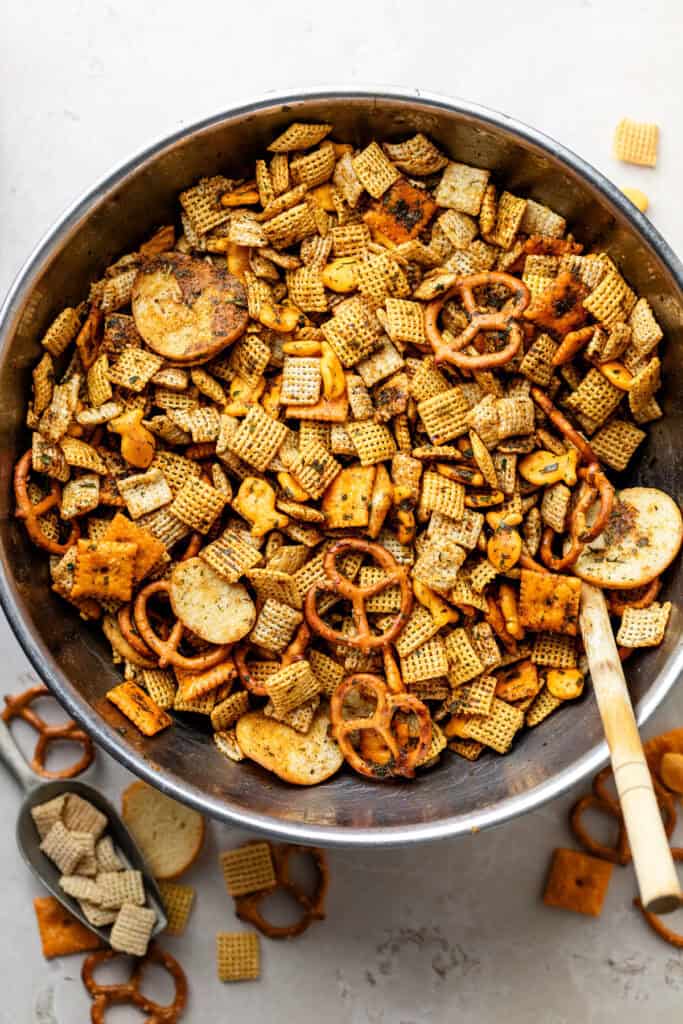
x,y
129,992
247,907
655,922
404,755
19,706
564,426
30,513
601,799
619,600
594,485
295,652
166,648
124,617
339,584
505,320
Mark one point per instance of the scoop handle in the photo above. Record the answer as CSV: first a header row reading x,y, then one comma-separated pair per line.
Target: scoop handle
x,y
14,760
660,890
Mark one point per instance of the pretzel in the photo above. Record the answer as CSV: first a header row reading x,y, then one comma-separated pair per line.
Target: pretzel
x,y
654,921
313,907
129,991
595,485
618,600
167,648
340,584
617,854
19,706
564,426
31,513
297,648
403,759
248,682
125,621
295,652
194,545
505,320
603,800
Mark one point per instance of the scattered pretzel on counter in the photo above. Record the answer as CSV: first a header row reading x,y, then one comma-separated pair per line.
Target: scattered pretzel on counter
x,y
129,992
328,458
312,906
19,706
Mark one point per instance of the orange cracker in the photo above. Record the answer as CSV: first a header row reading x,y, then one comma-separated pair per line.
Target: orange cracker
x,y
61,934
149,549
577,882
104,569
549,602
136,705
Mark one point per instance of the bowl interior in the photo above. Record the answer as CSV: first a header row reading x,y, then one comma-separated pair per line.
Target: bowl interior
x,y
73,658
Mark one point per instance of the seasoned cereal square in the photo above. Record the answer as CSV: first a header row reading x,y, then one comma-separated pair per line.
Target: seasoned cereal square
x,y
238,956
249,868
132,929
462,188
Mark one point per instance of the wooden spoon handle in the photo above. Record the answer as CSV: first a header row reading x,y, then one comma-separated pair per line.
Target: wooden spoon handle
x,y
660,890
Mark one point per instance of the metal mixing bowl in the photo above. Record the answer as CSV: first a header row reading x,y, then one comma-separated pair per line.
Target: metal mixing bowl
x,y
73,658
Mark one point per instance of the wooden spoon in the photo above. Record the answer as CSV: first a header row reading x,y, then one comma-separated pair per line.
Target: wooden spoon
x,y
660,890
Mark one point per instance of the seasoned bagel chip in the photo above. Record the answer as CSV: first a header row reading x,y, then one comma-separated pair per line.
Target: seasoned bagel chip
x,y
642,537
217,611
303,759
187,309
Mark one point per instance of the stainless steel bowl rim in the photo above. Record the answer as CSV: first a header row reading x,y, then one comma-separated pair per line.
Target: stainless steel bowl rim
x,y
45,665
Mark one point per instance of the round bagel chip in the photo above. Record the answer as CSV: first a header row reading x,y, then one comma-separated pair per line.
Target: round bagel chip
x,y
169,834
215,610
302,759
642,537
186,309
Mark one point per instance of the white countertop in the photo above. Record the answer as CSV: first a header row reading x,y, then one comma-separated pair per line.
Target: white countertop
x,y
454,931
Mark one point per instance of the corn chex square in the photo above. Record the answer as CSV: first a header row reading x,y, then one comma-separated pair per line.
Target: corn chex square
x,y
463,661
644,627
462,188
445,415
595,397
375,171
635,142
441,494
274,626
353,331
132,929
616,442
258,438
144,492
177,900
291,687
197,504
238,956
248,868
301,380
230,555
438,564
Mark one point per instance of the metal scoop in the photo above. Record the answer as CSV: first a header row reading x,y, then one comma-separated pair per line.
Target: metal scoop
x,y
38,792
